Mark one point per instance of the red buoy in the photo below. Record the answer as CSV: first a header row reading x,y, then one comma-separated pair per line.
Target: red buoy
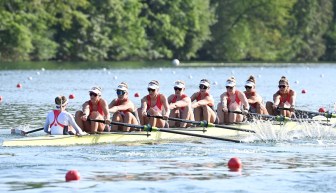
x,y
136,95
72,175
19,85
322,110
71,96
235,164
0,98
303,91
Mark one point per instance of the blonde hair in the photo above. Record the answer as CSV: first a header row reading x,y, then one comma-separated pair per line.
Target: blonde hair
x,y
251,79
155,82
180,81
283,79
231,79
124,84
60,100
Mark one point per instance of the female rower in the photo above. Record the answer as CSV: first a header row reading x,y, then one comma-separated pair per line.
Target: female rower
x,y
232,100
283,98
60,122
154,104
254,99
203,107
123,109
180,105
95,108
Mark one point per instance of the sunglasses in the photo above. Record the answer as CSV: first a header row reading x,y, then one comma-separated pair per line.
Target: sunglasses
x,y
229,87
93,94
151,90
282,86
177,88
203,87
248,87
120,92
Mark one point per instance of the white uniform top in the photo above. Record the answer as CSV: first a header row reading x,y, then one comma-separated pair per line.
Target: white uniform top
x,y
64,118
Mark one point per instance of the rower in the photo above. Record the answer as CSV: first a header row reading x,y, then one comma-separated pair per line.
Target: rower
x,y
123,109
154,104
254,99
283,98
95,108
203,107
232,100
61,122
180,105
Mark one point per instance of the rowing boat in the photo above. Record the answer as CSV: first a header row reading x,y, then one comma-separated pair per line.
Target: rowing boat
x,y
157,136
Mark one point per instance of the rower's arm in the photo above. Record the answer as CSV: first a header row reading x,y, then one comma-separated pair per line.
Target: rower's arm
x,y
276,99
243,98
208,100
143,105
293,99
127,105
86,109
73,123
164,101
46,124
112,108
105,109
223,99
183,103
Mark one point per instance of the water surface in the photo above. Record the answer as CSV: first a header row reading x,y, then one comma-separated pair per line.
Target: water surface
x,y
286,163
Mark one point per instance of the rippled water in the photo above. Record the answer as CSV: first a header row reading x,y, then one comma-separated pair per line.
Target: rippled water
x,y
286,162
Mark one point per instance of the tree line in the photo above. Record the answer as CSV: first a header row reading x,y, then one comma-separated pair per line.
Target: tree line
x,y
208,30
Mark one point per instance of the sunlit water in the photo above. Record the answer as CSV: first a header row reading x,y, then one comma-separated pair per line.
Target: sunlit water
x,y
302,161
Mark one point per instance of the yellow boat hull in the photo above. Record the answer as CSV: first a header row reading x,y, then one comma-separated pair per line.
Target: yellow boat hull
x,y
151,137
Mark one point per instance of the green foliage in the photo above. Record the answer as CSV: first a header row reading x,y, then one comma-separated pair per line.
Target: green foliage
x,y
249,30
177,28
116,30
312,19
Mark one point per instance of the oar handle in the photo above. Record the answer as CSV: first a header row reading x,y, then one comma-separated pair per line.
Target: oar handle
x,y
175,119
35,130
144,127
194,135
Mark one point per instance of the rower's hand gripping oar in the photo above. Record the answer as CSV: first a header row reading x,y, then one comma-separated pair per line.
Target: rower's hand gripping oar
x,y
203,123
21,132
149,128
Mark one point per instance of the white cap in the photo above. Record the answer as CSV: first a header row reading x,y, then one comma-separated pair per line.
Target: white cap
x,y
179,84
153,85
249,83
122,87
96,90
230,83
205,83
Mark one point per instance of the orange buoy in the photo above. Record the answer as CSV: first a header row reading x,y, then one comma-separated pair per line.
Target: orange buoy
x,y
303,91
235,164
136,95
322,110
72,175
19,85
71,96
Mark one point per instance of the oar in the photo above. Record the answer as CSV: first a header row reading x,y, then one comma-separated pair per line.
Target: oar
x,y
203,123
275,118
21,132
149,128
326,114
